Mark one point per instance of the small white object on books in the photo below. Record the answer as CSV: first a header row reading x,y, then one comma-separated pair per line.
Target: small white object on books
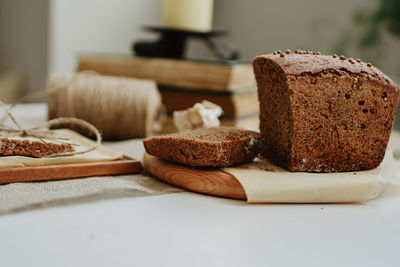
x,y
204,114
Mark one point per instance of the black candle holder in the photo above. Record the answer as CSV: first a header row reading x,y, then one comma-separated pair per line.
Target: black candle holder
x,y
172,44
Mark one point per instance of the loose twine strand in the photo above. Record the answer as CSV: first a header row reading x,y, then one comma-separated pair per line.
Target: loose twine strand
x,y
42,131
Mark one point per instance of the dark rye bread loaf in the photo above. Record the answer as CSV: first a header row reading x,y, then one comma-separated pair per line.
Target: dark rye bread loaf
x,y
10,146
321,113
212,147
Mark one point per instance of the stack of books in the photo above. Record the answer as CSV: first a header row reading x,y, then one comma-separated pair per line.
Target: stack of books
x,y
183,83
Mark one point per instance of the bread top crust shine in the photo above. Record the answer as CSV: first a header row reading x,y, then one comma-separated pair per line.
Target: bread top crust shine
x,y
297,64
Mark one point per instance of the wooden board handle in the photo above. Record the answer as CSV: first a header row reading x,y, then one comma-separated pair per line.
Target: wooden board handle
x,y
68,171
207,181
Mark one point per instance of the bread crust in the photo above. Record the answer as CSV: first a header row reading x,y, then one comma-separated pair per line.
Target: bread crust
x,y
336,114
301,64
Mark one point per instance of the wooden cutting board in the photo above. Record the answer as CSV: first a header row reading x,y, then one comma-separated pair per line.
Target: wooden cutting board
x,y
202,180
124,165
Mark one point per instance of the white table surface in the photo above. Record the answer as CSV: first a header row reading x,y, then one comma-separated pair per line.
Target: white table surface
x,y
188,229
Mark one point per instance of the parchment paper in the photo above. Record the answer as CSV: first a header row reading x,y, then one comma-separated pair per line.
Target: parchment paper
x,y
265,182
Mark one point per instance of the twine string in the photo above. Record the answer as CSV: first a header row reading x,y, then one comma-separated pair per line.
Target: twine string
x,y
42,131
120,107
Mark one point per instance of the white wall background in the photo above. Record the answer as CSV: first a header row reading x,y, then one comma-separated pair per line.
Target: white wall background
x,y
255,26
78,26
261,26
24,43
45,36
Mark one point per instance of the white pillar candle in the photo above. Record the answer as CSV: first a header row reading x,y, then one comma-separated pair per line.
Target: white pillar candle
x,y
192,15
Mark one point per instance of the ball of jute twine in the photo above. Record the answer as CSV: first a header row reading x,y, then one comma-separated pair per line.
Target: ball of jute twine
x,y
42,131
121,108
